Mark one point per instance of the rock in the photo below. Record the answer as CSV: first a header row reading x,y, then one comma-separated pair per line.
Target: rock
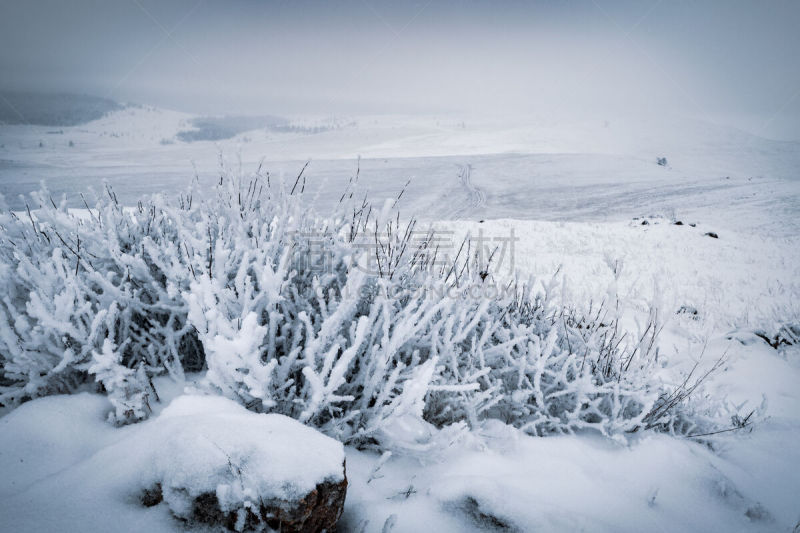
x,y
645,223
678,223
712,235
317,511
152,496
787,335
221,465
482,518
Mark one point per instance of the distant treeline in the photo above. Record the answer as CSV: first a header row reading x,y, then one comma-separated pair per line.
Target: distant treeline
x,y
43,109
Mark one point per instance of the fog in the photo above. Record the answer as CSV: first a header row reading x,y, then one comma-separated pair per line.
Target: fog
x,y
733,62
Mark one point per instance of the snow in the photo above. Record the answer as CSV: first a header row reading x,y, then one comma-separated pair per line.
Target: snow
x,y
274,457
749,481
570,191
64,466
563,484
40,438
749,277
595,169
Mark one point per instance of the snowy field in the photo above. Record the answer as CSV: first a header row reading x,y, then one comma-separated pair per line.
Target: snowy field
x,y
581,199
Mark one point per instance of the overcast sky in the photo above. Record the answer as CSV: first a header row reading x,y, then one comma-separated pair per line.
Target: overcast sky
x,y
734,59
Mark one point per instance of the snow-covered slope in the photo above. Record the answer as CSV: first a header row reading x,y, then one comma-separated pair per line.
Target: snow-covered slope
x,y
65,468
55,452
531,168
576,196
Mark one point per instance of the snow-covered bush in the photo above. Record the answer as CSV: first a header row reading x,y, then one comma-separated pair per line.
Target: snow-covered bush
x,y
343,322
70,283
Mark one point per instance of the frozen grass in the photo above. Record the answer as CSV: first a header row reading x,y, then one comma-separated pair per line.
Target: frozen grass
x,y
345,322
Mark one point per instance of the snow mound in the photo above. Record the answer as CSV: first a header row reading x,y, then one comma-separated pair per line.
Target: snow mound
x,y
93,477
213,445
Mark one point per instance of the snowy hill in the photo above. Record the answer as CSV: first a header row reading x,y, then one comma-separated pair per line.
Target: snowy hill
x,y
709,238
532,169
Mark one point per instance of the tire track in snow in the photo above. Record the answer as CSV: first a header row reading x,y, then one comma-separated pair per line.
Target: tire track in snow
x,y
476,198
